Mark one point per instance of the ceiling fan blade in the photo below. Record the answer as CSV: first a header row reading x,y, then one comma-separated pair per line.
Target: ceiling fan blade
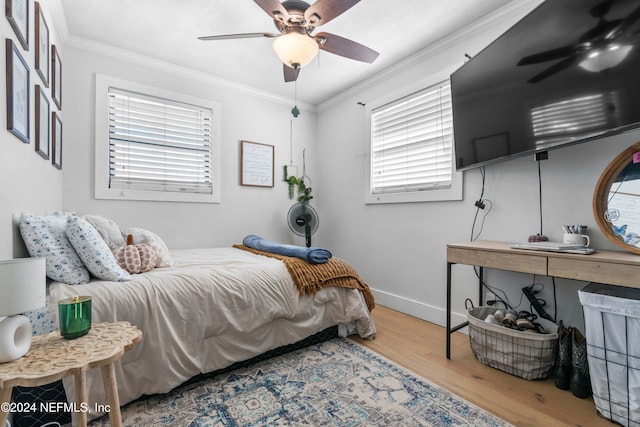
x,y
290,74
345,47
628,21
556,68
323,11
238,36
274,9
549,55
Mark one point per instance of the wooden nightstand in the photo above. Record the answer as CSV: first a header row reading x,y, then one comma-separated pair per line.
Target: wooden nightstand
x,y
52,357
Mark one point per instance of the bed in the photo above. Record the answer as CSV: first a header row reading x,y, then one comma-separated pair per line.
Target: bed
x,y
214,307
200,310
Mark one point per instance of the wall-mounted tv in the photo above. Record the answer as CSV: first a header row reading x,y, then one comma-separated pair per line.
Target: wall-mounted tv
x,y
568,72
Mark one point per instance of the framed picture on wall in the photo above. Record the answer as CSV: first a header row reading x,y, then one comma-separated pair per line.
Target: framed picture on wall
x,y
17,12
56,77
42,123
256,164
17,92
42,45
56,142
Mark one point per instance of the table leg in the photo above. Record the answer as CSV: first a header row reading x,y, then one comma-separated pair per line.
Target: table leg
x,y
5,397
448,310
80,378
480,285
111,391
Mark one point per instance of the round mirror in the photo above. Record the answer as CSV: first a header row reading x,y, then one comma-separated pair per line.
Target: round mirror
x,y
616,201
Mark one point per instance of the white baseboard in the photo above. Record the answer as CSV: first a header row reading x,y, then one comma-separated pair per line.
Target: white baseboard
x,y
418,309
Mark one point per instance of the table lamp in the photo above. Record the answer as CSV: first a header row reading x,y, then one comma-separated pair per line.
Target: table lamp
x,y
22,289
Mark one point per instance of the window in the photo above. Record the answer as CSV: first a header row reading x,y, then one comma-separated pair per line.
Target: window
x,y
154,145
411,150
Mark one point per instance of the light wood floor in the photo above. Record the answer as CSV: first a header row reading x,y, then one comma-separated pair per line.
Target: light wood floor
x,y
420,347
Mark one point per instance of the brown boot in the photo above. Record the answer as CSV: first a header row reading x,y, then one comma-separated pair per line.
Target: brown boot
x,y
580,379
562,366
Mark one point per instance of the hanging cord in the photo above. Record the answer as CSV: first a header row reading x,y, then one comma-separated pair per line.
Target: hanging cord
x,y
502,299
480,204
291,141
540,195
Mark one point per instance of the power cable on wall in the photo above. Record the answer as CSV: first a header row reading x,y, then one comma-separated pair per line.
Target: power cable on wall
x,y
480,204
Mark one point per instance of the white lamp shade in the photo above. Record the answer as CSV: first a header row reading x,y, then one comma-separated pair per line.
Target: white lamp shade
x,y
295,48
22,285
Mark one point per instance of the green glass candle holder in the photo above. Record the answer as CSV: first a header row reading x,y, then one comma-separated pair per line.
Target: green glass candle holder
x,y
74,315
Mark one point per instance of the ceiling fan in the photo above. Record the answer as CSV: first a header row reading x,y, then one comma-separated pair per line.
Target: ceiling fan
x,y
296,45
603,46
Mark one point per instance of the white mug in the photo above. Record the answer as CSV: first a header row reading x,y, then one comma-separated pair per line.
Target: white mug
x,y
576,239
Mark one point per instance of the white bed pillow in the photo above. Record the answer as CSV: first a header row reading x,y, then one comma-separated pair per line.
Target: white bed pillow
x,y
45,236
94,251
109,230
140,235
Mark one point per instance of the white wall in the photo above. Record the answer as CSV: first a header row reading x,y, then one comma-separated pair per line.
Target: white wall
x,y
28,182
400,249
245,116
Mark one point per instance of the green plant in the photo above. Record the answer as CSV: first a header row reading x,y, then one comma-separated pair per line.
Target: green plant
x,y
304,192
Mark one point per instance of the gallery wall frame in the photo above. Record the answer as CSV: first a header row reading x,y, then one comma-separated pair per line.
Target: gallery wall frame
x,y
56,140
17,12
256,164
42,45
56,77
42,108
17,76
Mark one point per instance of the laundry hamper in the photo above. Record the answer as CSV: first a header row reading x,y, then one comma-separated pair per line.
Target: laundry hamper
x,y
525,354
612,328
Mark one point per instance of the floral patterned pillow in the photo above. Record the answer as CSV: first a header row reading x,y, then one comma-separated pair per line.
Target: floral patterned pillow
x,y
44,236
94,251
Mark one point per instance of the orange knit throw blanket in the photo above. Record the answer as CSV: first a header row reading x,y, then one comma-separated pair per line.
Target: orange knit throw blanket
x,y
310,278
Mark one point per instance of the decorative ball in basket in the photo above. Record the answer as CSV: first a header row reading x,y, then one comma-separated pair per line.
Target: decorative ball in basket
x,y
136,258
74,316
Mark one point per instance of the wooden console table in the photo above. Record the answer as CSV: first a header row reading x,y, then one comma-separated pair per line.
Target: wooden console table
x,y
52,357
611,267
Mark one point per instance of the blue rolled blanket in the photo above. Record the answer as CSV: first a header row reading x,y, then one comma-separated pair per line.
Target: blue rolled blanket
x,y
311,255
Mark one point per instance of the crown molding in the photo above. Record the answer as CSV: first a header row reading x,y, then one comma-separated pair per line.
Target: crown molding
x,y
515,9
56,11
169,67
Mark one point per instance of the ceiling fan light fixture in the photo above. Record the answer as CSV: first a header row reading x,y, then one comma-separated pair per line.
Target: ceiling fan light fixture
x,y
295,48
603,59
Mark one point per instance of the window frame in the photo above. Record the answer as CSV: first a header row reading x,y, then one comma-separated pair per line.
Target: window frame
x,y
102,190
426,195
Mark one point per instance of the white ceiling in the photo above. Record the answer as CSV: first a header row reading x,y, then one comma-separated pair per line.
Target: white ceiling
x,y
168,29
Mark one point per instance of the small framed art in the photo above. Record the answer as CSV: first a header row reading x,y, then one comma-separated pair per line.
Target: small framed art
x,y
42,45
56,77
56,140
42,123
17,92
17,12
256,164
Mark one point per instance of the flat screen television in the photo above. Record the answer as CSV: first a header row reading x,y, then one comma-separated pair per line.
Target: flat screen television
x,y
568,72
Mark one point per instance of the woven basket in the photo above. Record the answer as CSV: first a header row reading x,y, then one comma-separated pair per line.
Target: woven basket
x,y
525,354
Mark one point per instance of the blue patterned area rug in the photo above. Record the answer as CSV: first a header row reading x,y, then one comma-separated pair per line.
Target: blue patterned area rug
x,y
334,383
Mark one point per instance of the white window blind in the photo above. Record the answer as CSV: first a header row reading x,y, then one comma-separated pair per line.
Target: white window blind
x,y
411,142
157,144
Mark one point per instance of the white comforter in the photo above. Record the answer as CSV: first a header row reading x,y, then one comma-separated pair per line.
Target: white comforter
x,y
213,308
